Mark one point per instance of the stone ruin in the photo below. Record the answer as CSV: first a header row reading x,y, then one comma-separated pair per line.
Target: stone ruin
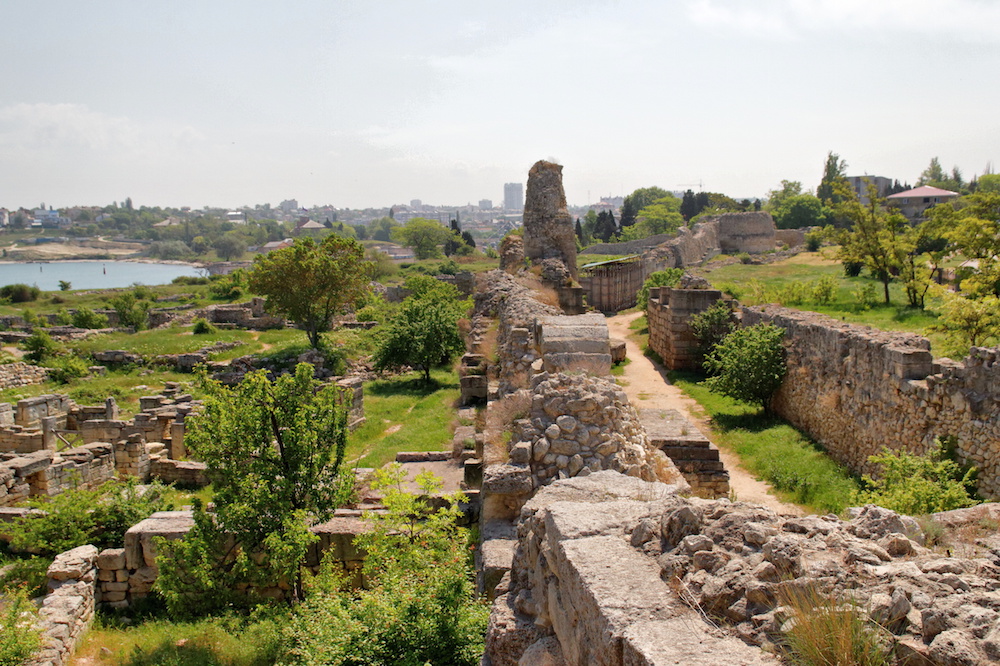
x,y
613,570
548,226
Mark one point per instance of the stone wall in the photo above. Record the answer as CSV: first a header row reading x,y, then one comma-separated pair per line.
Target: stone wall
x,y
744,232
856,390
668,312
67,611
21,374
45,473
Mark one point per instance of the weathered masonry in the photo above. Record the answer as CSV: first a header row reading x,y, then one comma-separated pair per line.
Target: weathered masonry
x,y
856,389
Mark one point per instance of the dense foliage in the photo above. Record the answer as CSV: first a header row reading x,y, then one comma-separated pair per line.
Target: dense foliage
x,y
80,516
274,451
19,638
712,326
918,485
418,605
665,278
311,282
749,364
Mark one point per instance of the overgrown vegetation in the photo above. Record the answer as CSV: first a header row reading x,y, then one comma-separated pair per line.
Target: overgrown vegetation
x,y
665,278
794,465
827,631
274,451
748,365
916,485
19,638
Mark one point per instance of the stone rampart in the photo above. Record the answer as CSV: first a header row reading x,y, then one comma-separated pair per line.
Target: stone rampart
x,y
548,226
856,390
744,232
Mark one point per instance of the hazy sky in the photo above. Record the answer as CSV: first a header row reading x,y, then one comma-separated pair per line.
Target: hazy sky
x,y
372,103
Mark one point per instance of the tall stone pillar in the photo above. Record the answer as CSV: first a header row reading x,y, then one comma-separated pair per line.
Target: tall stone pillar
x,y
549,232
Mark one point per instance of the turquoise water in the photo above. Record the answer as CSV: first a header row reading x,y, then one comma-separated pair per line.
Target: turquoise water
x,y
92,274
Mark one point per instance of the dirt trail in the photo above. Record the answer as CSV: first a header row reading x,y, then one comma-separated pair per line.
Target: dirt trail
x,y
647,386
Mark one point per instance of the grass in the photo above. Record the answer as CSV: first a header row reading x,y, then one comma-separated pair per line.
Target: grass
x,y
792,463
811,266
829,632
225,641
404,414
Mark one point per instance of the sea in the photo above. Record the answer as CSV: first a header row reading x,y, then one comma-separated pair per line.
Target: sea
x,y
92,274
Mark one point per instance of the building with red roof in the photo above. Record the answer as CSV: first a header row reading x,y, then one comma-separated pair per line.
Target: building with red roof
x,y
914,203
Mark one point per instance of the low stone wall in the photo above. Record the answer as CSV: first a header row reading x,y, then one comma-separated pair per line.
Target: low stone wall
x,y
182,472
856,389
127,574
21,374
46,473
67,611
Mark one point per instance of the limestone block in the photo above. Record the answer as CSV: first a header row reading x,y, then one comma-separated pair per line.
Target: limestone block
x,y
139,549
73,564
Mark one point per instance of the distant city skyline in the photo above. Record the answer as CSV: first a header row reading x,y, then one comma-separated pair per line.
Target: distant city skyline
x,y
356,104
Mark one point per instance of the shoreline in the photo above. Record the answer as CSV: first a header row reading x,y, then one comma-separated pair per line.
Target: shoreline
x,y
130,260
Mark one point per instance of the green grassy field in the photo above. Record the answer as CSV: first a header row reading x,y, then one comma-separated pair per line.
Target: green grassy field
x,y
772,283
404,414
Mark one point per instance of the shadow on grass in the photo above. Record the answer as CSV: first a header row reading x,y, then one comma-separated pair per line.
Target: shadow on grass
x,y
173,653
749,421
414,386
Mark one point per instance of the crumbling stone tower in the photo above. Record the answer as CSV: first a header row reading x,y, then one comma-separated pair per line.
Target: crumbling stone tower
x,y
548,227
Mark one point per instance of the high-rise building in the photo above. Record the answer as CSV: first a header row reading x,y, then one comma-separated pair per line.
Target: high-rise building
x,y
485,204
513,196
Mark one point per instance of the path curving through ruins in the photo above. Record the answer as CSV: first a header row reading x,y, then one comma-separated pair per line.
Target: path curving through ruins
x,y
647,386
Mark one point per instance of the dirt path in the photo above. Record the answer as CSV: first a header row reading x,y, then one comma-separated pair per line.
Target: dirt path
x,y
646,384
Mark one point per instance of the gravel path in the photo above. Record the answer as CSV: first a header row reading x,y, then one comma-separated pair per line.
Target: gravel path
x,y
647,385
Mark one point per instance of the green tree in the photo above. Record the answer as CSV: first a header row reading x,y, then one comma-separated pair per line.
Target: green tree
x,y
749,365
65,285
605,226
229,247
834,181
988,184
423,334
382,228
311,282
876,237
424,236
974,229
789,188
274,451
662,216
639,199
711,326
968,321
932,174
801,210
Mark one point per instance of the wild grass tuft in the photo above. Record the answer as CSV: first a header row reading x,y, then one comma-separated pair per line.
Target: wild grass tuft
x,y
825,631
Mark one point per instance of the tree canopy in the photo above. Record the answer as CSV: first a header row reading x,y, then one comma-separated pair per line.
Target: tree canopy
x,y
834,178
311,282
801,210
749,364
638,200
424,236
423,334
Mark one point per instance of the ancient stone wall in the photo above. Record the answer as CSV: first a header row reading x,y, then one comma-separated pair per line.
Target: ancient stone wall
x,y
668,313
548,227
608,569
21,374
744,232
856,390
790,237
67,611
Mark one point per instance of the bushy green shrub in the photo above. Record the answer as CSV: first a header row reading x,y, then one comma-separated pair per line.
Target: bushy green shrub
x,y
190,280
665,278
744,258
203,327
418,606
866,296
814,239
228,287
749,364
824,290
917,485
80,516
853,268
19,637
87,318
64,369
40,346
131,310
711,326
63,317
20,293
794,293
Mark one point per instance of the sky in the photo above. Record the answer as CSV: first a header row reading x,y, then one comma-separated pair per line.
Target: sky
x,y
376,102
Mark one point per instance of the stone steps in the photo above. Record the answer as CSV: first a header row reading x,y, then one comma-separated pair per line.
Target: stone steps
x,y
692,453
